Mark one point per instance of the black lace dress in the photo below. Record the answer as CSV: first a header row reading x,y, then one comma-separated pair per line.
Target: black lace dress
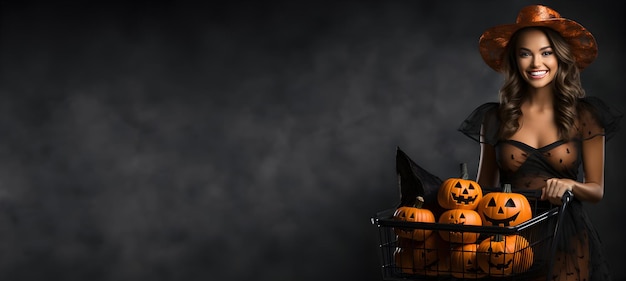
x,y
524,167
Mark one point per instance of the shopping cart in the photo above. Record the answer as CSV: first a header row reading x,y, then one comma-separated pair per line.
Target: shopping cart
x,y
406,260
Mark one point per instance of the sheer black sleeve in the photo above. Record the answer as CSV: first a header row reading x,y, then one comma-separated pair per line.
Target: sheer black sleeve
x,y
597,118
485,115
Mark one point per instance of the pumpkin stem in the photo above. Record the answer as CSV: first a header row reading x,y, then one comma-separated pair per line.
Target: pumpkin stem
x,y
507,188
419,202
464,173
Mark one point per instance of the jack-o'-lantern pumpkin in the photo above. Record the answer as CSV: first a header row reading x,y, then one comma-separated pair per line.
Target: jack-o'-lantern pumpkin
x,y
459,193
403,255
501,255
429,257
414,214
463,262
461,217
504,208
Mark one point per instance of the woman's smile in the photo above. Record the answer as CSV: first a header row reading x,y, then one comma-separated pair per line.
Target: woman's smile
x,y
537,74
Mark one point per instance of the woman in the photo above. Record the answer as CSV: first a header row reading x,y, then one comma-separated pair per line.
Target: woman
x,y
544,127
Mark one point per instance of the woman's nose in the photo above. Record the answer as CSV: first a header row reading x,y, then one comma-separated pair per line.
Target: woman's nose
x,y
536,61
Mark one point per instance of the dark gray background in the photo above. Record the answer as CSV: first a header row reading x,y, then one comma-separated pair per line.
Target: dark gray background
x,y
245,141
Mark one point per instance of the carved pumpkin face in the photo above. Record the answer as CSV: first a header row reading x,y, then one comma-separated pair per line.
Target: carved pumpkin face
x,y
425,258
413,214
504,208
463,217
431,257
502,255
463,262
403,255
459,193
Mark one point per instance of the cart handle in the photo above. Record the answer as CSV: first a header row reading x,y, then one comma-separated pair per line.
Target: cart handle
x,y
566,198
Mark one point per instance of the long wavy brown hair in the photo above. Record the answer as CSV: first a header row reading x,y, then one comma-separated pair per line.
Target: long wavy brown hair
x,y
567,87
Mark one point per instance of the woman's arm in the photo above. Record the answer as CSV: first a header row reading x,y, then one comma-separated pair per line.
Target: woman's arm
x,y
592,187
488,173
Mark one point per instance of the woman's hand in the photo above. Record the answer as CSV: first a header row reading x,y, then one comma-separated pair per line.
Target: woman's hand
x,y
555,188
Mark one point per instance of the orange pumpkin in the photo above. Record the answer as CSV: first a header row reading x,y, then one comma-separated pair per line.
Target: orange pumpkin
x,y
459,193
463,262
429,257
504,208
403,255
462,217
502,255
414,214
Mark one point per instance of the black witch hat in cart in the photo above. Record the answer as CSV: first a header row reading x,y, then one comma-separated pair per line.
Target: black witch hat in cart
x,y
414,181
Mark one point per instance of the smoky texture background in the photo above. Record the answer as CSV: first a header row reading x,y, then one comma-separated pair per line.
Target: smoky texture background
x,y
245,140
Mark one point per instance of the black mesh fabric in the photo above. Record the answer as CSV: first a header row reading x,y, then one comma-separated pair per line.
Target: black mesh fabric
x,y
579,254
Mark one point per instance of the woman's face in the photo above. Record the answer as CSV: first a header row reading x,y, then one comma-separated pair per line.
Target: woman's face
x,y
536,60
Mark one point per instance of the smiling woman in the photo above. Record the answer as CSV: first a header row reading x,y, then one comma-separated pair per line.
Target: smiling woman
x,y
241,140
544,128
535,57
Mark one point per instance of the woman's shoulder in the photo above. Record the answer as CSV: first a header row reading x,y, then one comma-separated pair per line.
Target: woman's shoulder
x,y
594,103
482,111
485,115
595,114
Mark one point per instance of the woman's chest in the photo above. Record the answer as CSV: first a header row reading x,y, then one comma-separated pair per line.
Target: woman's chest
x,y
559,155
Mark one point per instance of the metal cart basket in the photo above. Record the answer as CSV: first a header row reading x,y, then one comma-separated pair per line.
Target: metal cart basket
x,y
410,260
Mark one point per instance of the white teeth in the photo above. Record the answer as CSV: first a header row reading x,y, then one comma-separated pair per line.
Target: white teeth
x,y
537,73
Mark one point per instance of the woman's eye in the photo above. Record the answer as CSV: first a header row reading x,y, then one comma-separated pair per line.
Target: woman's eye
x,y
547,53
524,54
